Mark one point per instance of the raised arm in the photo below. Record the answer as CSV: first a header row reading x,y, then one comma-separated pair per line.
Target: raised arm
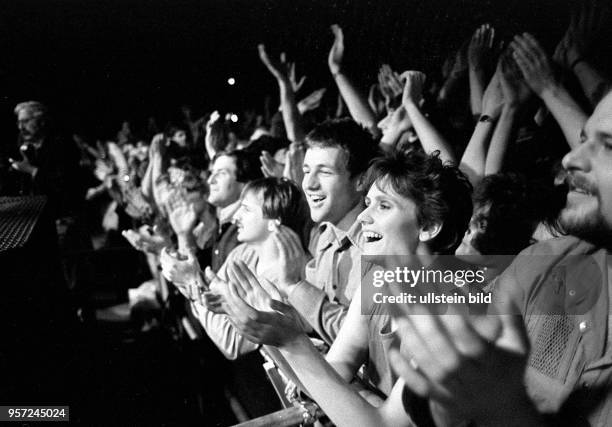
x,y
474,158
430,138
537,72
574,48
356,102
515,93
281,71
480,52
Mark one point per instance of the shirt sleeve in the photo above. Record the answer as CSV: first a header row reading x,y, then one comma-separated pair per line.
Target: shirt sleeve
x,y
324,316
218,327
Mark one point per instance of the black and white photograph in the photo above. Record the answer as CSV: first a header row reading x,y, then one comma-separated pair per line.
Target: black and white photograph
x,y
277,213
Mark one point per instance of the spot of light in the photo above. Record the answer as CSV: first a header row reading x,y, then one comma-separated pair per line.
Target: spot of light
x,y
234,118
231,81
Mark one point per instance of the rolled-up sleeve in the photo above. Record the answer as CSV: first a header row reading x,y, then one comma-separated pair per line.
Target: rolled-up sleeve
x,y
324,316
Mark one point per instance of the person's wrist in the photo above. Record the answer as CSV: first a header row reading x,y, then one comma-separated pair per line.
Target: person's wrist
x,y
411,106
488,117
335,71
290,285
295,343
548,90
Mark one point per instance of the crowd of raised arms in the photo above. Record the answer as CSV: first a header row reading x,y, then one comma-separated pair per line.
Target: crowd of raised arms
x,y
265,230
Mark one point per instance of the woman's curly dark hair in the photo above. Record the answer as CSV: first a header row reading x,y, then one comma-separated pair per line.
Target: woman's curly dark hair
x,y
441,192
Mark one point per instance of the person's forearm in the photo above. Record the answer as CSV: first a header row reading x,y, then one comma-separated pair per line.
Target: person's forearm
x,y
186,243
291,115
473,160
356,103
340,402
210,151
593,83
146,187
477,88
430,138
566,111
503,134
449,87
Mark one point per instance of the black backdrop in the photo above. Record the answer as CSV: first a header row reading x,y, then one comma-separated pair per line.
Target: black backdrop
x,y
97,62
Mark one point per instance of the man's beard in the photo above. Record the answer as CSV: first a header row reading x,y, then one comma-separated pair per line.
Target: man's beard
x,y
589,226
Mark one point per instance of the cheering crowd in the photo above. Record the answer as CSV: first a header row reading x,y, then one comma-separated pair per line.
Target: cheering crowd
x,y
260,234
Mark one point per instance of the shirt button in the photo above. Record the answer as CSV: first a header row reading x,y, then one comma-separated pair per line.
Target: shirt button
x,y
572,293
585,384
583,326
216,251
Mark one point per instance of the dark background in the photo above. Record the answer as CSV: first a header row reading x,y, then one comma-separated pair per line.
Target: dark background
x,y
99,62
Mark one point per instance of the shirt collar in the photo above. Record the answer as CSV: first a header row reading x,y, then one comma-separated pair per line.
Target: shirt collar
x,y
225,214
332,234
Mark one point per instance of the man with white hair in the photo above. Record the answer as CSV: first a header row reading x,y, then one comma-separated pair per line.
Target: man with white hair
x,y
48,165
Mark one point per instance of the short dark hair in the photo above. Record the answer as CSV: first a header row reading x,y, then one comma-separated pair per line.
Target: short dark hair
x,y
248,165
513,213
441,192
283,200
356,142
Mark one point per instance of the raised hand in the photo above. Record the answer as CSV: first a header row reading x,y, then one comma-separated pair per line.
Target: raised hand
x,y
514,89
581,33
292,258
255,313
336,53
294,162
312,101
214,116
279,69
23,166
481,51
269,166
472,366
413,87
493,98
296,84
182,217
182,270
145,240
534,63
390,86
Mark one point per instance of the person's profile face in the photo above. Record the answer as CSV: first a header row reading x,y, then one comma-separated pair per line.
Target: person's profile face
x,y
224,187
588,209
329,189
29,125
477,229
180,137
249,218
389,222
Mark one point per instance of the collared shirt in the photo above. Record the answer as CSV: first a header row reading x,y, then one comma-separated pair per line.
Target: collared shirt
x,y
331,276
561,288
222,241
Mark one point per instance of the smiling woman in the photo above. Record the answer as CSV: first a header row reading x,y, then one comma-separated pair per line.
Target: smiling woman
x,y
412,195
